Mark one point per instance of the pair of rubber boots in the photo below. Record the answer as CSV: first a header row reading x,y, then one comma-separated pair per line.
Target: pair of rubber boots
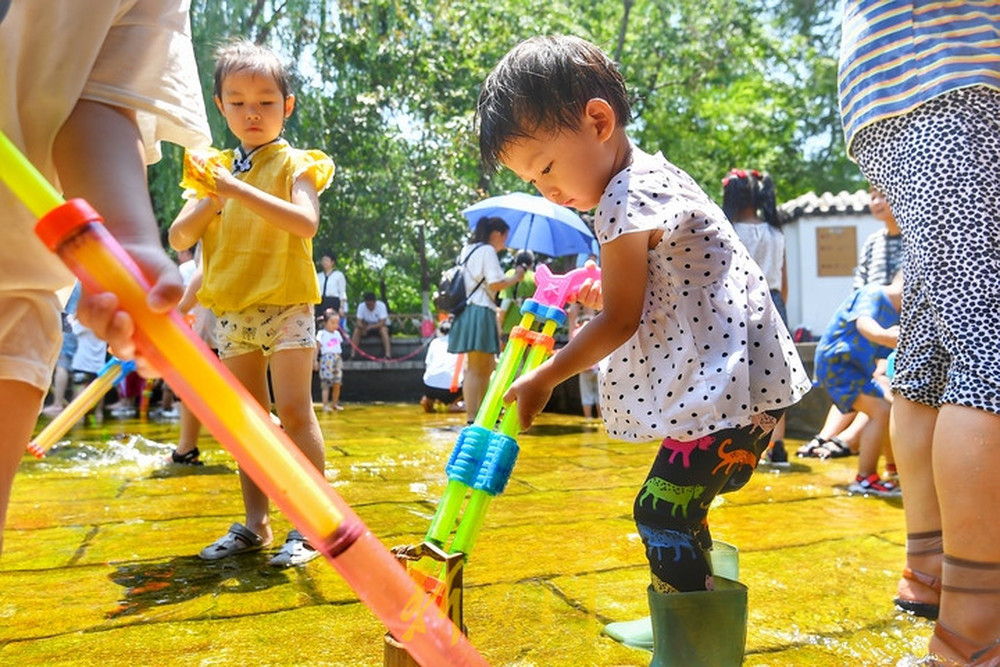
x,y
696,629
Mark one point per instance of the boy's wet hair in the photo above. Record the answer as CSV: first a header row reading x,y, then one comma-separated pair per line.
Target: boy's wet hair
x,y
544,84
243,55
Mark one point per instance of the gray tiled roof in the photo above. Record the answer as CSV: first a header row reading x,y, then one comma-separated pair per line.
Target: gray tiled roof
x,y
812,205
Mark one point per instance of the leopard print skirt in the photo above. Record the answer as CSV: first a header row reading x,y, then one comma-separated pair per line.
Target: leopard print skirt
x,y
939,167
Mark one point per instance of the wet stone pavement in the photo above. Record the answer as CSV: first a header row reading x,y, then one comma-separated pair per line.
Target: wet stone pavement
x,y
100,564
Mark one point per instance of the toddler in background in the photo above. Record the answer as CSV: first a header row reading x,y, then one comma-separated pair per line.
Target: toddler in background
x,y
864,329
329,363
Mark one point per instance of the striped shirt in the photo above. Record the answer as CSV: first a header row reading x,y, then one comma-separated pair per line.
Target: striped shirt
x,y
881,257
896,55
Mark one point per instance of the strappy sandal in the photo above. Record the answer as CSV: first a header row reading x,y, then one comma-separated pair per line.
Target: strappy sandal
x,y
295,551
833,448
808,450
974,655
239,540
922,609
187,459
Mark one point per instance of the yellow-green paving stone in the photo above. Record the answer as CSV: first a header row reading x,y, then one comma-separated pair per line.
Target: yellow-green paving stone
x,y
100,561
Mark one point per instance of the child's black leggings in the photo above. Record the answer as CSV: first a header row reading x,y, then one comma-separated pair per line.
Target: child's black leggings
x,y
672,506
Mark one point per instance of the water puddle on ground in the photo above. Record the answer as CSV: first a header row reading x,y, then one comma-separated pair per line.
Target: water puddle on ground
x,y
100,555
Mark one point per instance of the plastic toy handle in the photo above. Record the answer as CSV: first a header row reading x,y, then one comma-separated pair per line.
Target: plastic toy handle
x,y
79,406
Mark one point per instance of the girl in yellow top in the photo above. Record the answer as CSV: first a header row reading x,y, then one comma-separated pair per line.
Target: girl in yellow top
x,y
256,225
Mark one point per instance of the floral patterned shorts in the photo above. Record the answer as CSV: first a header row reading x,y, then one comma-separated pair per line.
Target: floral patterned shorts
x,y
331,369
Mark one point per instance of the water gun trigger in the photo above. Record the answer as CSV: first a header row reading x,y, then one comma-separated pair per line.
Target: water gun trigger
x,y
560,290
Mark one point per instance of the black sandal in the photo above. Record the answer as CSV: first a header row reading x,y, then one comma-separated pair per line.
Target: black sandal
x,y
189,459
833,448
808,450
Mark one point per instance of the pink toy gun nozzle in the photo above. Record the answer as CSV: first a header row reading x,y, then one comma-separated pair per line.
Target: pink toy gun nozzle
x,y
557,291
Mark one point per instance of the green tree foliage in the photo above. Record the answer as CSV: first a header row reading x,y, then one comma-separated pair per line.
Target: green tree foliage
x,y
388,88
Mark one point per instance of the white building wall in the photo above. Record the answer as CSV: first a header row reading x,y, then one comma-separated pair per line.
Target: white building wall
x,y
812,299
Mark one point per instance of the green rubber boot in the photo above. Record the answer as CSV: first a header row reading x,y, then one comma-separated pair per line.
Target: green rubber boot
x,y
703,628
639,633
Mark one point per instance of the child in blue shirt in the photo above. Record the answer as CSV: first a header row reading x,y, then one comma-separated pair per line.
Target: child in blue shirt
x,y
864,329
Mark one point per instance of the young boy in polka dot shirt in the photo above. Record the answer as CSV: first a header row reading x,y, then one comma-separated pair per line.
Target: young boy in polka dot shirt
x,y
699,359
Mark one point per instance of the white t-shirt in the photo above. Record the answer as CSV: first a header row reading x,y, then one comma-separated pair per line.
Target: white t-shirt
x,y
333,285
440,365
372,316
329,341
766,245
134,54
711,352
482,262
91,352
187,270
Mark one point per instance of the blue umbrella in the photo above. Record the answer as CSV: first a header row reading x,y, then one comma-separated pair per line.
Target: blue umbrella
x,y
535,224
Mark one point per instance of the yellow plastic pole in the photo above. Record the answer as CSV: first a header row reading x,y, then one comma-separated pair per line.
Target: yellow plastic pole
x,y
77,408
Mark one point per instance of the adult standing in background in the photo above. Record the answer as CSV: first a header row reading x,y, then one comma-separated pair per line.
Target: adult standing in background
x,y
475,330
332,287
920,100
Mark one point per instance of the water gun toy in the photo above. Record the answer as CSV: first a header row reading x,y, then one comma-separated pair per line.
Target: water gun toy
x,y
75,231
486,451
81,404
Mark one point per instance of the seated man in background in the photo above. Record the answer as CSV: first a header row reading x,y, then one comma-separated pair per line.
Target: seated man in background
x,y
372,318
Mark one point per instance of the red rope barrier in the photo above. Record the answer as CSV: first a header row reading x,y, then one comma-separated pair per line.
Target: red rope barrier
x,y
358,350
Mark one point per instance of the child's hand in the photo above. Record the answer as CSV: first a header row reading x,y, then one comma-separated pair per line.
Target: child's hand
x,y
893,333
100,312
225,183
590,294
531,394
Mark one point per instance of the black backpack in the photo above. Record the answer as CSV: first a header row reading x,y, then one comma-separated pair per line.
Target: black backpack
x,y
450,296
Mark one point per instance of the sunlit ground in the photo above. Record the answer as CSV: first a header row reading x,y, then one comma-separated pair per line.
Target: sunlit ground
x,y
100,561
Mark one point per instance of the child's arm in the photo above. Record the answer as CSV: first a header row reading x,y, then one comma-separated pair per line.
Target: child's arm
x,y
189,225
299,217
99,156
190,298
622,288
876,333
510,281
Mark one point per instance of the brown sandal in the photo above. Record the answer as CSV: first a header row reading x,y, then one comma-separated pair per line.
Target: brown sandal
x,y
922,609
973,654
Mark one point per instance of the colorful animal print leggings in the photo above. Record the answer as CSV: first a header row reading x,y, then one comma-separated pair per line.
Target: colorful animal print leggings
x,y
671,509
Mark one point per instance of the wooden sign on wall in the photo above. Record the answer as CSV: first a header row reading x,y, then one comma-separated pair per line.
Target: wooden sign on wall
x,y
836,250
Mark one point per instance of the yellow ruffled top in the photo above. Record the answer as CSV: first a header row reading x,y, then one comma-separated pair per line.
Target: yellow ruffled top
x,y
248,261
